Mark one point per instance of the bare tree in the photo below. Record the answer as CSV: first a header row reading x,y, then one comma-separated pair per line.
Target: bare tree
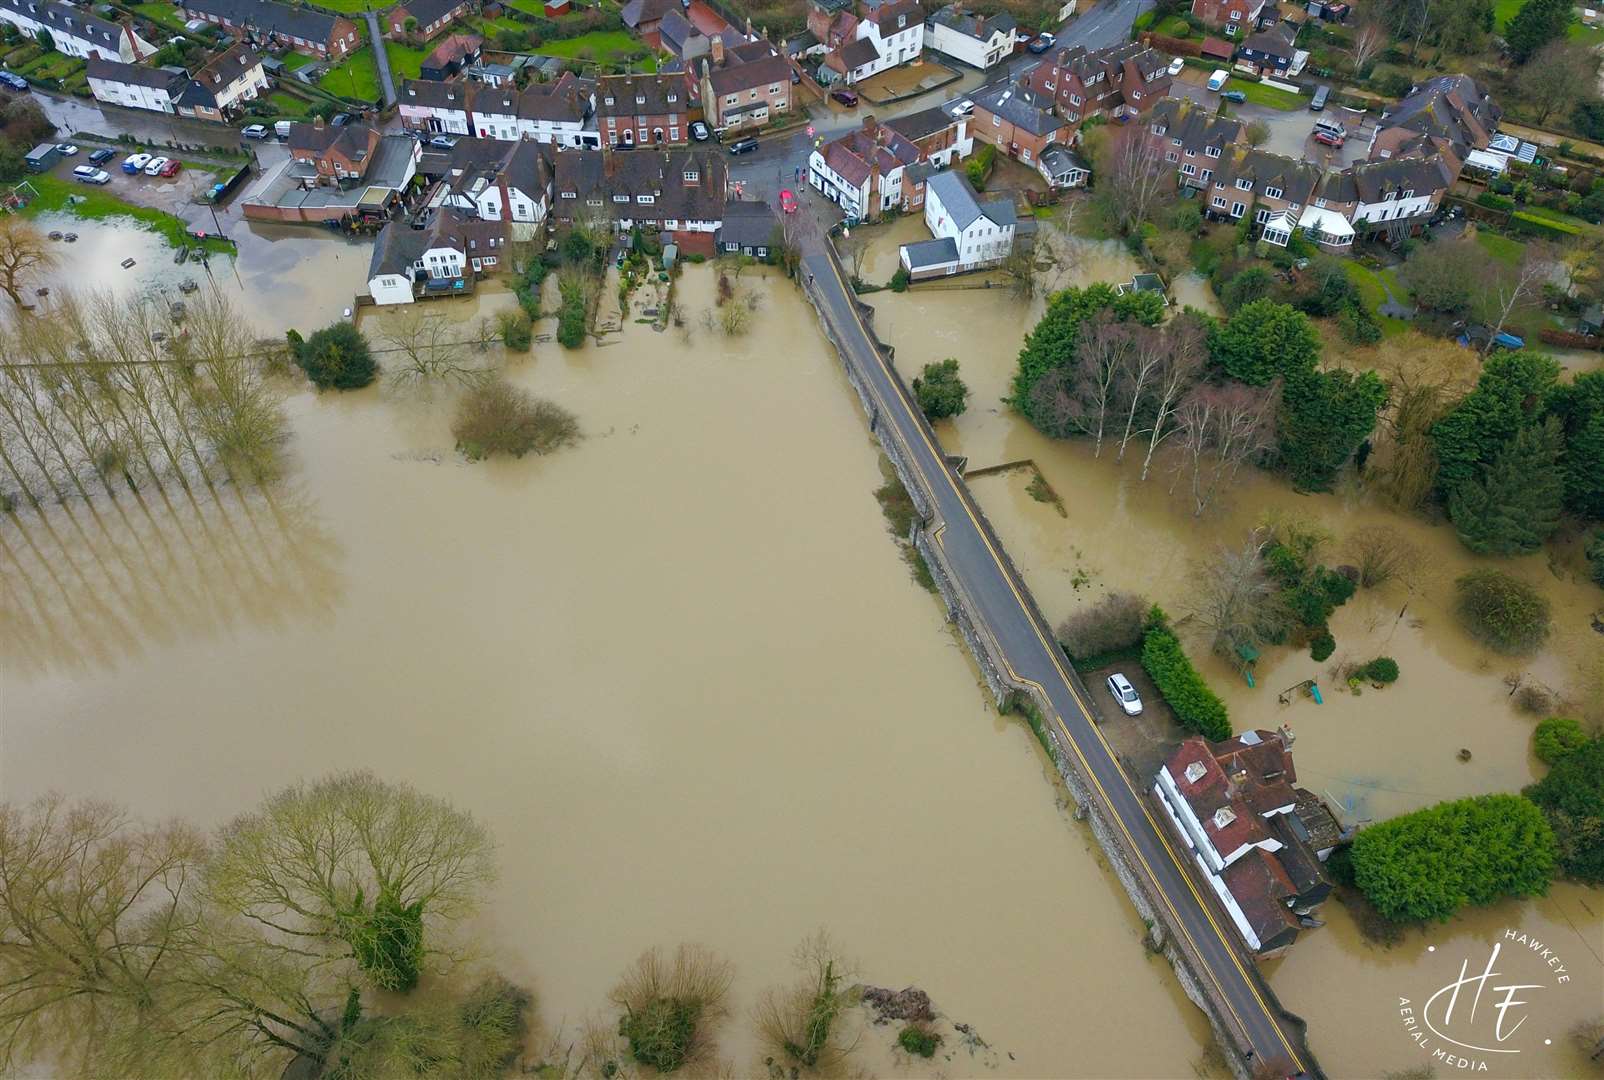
x,y
1236,598
1504,291
1220,428
1135,177
1381,553
1560,75
1182,365
672,1004
24,255
800,1023
1105,351
1257,133
1369,38
356,861
427,348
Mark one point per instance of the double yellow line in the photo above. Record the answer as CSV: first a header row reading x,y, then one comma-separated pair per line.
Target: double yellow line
x,y
1069,683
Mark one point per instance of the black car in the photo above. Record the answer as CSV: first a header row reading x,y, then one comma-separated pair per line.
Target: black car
x,y
1042,43
102,155
743,146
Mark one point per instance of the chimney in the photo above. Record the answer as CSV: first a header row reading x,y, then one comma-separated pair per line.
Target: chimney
x,y
869,124
980,26
749,28
718,50
317,123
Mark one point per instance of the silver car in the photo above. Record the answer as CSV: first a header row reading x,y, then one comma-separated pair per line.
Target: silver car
x,y
1125,694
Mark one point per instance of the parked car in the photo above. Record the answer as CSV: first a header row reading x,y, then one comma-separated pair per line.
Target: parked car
x,y
1477,336
1124,693
171,169
845,97
699,131
254,131
1322,94
134,163
104,154
155,165
1043,42
1177,65
443,142
743,146
81,171
1236,96
963,108
66,149
788,201
1217,80
91,175
340,119
282,128
13,80
1329,137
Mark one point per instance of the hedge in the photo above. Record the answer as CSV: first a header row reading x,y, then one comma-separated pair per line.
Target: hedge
x,y
1568,340
1522,221
1197,707
1495,202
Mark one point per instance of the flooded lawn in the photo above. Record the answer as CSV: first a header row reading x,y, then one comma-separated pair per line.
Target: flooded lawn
x,y
680,670
1373,755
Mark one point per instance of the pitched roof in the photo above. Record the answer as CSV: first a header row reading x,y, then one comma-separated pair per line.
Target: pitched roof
x,y
353,141
888,14
1021,107
640,11
854,54
979,27
1296,179
1451,107
1374,179
395,249
1261,888
660,173
921,124
1195,125
1274,41
427,12
429,93
453,47
749,224
963,205
218,73
931,253
268,16
616,95
69,21
856,154
746,67
133,74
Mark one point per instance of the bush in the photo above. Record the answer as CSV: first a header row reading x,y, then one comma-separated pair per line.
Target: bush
x,y
1116,622
1572,799
918,1041
1476,851
517,332
660,1034
939,390
1322,646
1556,737
573,315
1502,612
899,280
1595,557
1526,222
1383,669
1197,707
337,357
1358,326
1495,202
496,418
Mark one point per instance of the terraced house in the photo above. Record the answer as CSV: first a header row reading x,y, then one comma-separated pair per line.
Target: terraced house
x,y
431,17
559,113
499,181
218,89
1122,81
1192,138
279,25
134,86
1019,122
981,41
642,110
76,32
1451,113
1233,18
680,192
863,43
865,172
743,87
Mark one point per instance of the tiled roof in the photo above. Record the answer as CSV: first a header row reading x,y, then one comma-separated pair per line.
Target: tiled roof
x,y
963,206
69,21
1451,107
927,253
747,67
1276,41
640,11
749,224
1020,107
855,154
921,124
887,14
654,90
396,248
1195,125
452,48
435,95
267,16
979,27
427,12
132,74
1262,169
605,173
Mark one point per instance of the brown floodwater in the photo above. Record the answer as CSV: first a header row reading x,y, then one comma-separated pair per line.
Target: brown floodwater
x,y
680,670
1373,755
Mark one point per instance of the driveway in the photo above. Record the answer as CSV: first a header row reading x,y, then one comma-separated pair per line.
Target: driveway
x,y
1291,130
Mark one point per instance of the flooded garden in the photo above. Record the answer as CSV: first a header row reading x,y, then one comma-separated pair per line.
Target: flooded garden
x,y
679,671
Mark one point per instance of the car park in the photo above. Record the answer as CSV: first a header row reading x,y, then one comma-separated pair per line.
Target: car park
x,y
699,131
845,97
134,163
91,175
1124,693
155,165
1177,65
254,131
743,146
66,149
81,171
1043,42
101,156
1328,137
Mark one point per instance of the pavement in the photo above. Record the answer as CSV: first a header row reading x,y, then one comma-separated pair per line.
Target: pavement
x,y
1005,615
381,57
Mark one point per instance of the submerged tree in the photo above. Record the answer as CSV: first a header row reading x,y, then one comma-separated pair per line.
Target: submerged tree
x,y
671,1005
800,1023
1221,428
24,256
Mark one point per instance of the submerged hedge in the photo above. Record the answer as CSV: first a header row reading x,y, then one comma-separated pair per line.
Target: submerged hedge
x,y
1197,707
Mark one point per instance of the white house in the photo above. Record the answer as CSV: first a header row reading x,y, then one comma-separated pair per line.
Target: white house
x,y
513,186
969,233
881,37
977,40
134,86
219,88
452,248
75,32
439,108
561,113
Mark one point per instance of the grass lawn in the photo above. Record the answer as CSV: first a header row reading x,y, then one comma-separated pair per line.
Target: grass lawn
x,y
1500,247
1369,283
294,61
51,66
167,15
288,104
353,7
490,27
1504,10
96,204
1259,94
357,76
404,59
603,45
1550,214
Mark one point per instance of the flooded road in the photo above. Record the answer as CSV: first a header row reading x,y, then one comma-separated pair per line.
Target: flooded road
x,y
680,670
1372,756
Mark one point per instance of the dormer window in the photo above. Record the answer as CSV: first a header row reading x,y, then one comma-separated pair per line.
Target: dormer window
x,y
1390,196
608,99
691,176
621,198
1212,151
1272,192
902,20
1409,193
673,97
1194,772
1245,185
1223,817
640,99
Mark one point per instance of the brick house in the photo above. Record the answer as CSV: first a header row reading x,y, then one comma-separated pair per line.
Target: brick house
x,y
501,181
450,56
455,246
1233,18
681,192
642,110
1451,112
433,16
645,16
1018,122
745,86
336,154
273,25
1121,81
1258,840
939,136
1192,138
1271,50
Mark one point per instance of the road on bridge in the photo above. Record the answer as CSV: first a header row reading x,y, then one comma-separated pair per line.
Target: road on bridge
x,y
1006,615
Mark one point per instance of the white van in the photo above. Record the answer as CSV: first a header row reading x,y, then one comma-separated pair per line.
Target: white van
x,y
282,129
1218,79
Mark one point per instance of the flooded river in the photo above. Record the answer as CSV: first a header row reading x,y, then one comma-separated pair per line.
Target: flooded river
x,y
1372,756
680,670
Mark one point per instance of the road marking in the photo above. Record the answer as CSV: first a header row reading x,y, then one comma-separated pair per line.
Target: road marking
x,y
1069,685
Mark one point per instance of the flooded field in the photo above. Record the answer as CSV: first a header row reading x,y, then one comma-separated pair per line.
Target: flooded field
x,y
680,670
1374,755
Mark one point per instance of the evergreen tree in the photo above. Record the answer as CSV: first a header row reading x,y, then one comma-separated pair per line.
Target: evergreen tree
x,y
1580,407
1326,415
1264,340
1507,397
1052,343
1515,505
1536,24
939,390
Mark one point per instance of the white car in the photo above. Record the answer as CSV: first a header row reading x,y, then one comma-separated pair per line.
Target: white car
x,y
1125,694
254,131
88,174
1177,65
135,163
155,165
66,149
963,108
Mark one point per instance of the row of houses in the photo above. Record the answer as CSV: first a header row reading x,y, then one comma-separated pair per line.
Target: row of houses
x,y
75,32
217,89
271,25
561,112
881,167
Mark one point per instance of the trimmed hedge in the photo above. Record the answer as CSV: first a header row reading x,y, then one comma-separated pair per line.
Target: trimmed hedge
x,y
1197,707
1522,221
1495,202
